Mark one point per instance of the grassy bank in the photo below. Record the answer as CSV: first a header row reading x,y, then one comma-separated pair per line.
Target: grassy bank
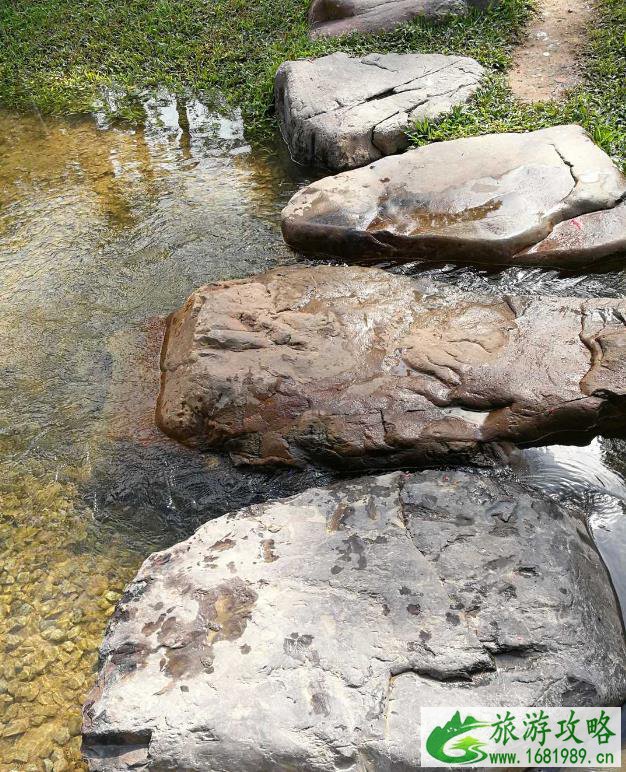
x,y
599,104
57,55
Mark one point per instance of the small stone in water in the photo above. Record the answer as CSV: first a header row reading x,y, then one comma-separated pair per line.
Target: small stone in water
x,y
75,726
55,635
11,642
61,735
16,728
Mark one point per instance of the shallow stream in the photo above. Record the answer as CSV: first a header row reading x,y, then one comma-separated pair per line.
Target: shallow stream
x,y
104,231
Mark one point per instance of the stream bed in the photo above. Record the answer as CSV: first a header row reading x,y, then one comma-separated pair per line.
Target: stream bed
x,y
103,231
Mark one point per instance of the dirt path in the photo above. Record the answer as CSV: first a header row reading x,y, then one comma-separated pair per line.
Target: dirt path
x,y
547,64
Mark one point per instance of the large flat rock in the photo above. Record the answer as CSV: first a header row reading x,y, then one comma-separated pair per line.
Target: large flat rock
x,y
485,200
306,634
342,112
340,17
359,368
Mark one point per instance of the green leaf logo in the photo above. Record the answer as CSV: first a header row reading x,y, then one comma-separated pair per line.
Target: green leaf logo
x,y
469,747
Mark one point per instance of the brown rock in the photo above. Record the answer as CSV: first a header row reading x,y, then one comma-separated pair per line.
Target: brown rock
x,y
359,368
482,200
340,17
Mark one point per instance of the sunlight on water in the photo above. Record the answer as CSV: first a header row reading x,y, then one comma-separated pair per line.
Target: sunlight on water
x,y
103,231
524,281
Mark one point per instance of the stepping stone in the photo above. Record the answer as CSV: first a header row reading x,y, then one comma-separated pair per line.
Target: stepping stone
x,y
359,368
340,17
342,112
483,200
306,634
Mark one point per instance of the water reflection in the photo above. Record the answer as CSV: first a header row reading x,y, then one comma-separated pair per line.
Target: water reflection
x,y
104,230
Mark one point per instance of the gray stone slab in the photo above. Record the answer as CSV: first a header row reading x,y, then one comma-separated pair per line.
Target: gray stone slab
x,y
306,634
483,200
341,112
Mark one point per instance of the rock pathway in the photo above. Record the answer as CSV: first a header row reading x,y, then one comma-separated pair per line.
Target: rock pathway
x,y
547,64
307,633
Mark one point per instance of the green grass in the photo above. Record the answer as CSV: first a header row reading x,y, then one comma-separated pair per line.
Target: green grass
x,y
599,104
57,55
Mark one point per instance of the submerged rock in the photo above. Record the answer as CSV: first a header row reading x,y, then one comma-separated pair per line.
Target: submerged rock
x,y
340,17
482,200
306,634
359,368
340,112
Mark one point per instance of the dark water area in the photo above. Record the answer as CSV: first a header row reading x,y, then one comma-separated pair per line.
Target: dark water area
x,y
104,230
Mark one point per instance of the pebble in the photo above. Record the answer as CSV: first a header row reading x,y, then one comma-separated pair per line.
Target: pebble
x,y
11,642
55,634
15,728
54,606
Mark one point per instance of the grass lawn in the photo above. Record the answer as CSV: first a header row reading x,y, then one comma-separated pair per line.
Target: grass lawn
x,y
57,55
599,104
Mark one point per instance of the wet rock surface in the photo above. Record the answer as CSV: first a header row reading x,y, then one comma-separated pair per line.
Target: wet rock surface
x,y
584,239
306,633
342,112
482,200
359,368
340,17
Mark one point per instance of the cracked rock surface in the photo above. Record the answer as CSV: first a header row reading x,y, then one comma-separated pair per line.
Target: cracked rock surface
x,y
342,112
359,368
340,17
305,634
485,200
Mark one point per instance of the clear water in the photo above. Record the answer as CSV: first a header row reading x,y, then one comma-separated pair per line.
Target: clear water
x,y
104,231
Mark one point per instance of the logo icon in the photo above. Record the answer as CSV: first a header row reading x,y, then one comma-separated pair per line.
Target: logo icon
x,y
524,737
465,749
